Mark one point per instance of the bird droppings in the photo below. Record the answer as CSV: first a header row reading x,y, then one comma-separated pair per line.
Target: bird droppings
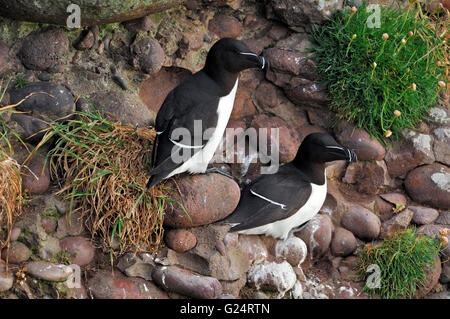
x,y
292,245
297,291
273,276
439,115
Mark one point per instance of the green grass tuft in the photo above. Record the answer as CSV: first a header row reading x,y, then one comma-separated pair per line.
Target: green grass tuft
x,y
404,260
367,95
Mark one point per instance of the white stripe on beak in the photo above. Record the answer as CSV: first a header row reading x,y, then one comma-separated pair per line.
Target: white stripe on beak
x,y
257,56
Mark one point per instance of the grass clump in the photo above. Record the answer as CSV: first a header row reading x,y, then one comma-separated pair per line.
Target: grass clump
x,y
10,179
101,168
383,78
403,260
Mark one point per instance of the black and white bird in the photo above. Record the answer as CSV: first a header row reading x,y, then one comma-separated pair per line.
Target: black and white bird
x,y
281,203
206,96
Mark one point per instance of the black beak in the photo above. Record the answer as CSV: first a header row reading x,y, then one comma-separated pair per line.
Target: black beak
x,y
343,153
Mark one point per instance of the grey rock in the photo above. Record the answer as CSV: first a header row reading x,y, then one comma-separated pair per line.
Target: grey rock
x,y
16,253
361,222
94,12
424,215
6,278
49,248
148,55
123,107
48,271
133,266
343,242
49,101
44,49
300,13
186,283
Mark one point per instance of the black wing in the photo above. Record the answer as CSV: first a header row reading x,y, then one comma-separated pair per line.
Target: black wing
x,y
270,198
187,108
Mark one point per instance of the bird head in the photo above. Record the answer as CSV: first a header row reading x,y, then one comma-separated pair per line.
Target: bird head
x,y
322,148
233,56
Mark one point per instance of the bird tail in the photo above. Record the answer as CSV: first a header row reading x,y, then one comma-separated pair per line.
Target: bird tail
x,y
154,179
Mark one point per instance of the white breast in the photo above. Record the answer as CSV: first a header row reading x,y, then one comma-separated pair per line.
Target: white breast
x,y
200,160
281,228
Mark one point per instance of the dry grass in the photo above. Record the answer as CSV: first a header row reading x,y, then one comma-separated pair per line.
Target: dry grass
x,y
10,178
10,195
101,168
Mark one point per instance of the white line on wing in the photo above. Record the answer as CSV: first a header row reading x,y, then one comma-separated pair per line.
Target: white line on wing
x,y
283,206
185,146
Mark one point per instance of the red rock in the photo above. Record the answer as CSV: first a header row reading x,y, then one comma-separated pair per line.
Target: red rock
x,y
317,235
398,222
85,42
383,209
365,147
361,222
288,142
430,185
140,24
207,198
243,106
257,45
266,95
343,242
394,198
80,249
415,150
16,253
432,278
278,32
36,181
180,240
49,224
154,90
225,26
107,285
186,283
368,176
291,62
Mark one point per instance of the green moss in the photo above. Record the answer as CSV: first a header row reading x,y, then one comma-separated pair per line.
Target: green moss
x,y
63,257
403,260
51,213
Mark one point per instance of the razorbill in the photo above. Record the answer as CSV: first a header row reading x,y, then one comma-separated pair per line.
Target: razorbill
x,y
276,204
204,99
